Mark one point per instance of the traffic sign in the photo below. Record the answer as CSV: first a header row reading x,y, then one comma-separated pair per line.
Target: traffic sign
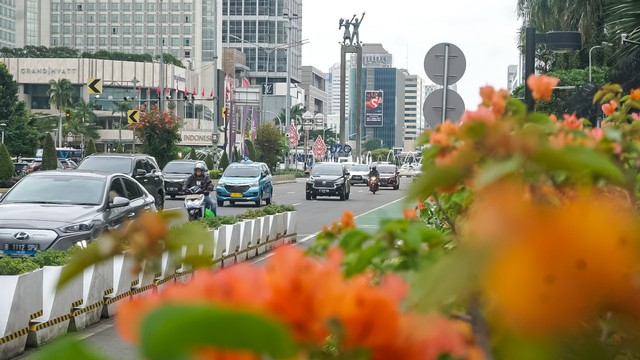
x,y
95,86
432,108
445,57
133,116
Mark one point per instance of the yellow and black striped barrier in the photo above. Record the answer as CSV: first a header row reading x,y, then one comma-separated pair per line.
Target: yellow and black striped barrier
x,y
88,308
13,336
46,324
36,315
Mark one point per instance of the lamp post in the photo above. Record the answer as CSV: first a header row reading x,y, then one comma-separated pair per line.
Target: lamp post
x,y
557,41
307,124
2,126
604,43
162,79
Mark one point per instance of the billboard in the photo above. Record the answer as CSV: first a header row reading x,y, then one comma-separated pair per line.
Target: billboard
x,y
373,108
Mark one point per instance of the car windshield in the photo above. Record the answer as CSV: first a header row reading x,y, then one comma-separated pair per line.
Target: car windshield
x,y
57,189
179,168
320,170
107,164
360,168
387,169
242,171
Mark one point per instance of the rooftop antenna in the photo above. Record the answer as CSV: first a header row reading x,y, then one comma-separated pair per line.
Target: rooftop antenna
x,y
407,56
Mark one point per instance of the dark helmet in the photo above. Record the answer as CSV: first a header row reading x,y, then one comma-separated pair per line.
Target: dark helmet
x,y
200,166
373,167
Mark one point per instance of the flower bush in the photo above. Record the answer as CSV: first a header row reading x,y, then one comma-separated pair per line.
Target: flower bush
x,y
159,133
519,241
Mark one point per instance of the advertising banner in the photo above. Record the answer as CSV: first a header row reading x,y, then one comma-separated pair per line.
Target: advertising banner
x,y
373,116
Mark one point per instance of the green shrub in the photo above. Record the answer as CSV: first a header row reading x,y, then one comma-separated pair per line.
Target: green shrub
x,y
52,257
224,161
215,174
193,155
6,165
91,148
214,223
209,161
17,266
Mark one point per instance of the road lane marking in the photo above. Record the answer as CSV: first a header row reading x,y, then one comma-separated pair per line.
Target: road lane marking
x,y
296,204
309,237
291,192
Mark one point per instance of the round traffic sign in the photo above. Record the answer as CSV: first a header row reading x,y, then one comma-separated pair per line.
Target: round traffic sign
x,y
432,108
435,59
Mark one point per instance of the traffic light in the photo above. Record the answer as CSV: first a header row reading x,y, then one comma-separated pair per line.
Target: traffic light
x,y
67,115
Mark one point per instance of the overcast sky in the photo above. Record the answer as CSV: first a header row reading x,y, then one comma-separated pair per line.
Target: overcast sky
x,y
485,30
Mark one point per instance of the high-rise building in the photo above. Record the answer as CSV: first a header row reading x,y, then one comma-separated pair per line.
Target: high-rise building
x,y
189,29
264,30
333,90
513,77
314,83
415,91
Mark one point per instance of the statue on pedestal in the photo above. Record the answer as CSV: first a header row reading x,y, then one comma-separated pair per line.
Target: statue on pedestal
x,y
350,35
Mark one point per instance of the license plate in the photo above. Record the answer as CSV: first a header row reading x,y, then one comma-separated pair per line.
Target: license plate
x,y
236,195
324,191
22,247
173,189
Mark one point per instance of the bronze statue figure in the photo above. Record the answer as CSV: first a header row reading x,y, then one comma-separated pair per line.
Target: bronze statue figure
x,y
351,35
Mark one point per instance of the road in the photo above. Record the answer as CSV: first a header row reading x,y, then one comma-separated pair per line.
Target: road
x,y
312,215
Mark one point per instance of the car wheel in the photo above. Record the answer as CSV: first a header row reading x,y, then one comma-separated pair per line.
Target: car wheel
x,y
220,203
268,200
159,201
259,201
308,196
232,202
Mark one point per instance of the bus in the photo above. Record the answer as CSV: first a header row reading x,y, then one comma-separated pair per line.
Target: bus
x,y
64,153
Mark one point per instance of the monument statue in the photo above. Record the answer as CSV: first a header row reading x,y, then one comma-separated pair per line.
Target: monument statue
x,y
351,35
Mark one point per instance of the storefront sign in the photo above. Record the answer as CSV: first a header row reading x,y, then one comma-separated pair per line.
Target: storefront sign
x,y
48,71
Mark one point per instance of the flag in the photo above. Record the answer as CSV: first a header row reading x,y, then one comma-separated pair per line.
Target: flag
x,y
293,135
202,92
245,82
166,91
139,86
148,91
194,91
211,93
158,91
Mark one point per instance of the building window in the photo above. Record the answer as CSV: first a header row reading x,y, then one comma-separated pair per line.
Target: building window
x,y
187,54
79,8
126,41
55,6
66,30
55,30
103,6
187,19
80,18
115,6
114,41
66,18
186,30
66,6
79,30
103,30
91,6
138,41
139,7
102,18
187,42
126,18
250,7
126,6
175,41
91,41
151,30
151,18
114,31
78,41
139,18
175,7
66,41
139,30
175,30
151,41
115,18
250,31
126,30
91,30
55,18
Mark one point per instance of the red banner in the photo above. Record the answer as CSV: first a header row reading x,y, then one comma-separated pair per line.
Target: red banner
x,y
319,148
294,137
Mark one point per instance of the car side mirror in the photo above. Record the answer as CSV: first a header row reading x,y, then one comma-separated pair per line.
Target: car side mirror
x,y
141,172
119,202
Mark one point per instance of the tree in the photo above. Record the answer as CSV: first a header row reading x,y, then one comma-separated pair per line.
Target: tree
x,y
209,161
123,108
60,94
269,145
224,161
251,150
380,154
82,121
6,164
159,135
91,148
236,154
19,137
49,155
295,114
193,155
372,144
119,148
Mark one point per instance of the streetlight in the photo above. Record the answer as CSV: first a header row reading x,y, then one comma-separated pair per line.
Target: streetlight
x,y
307,124
557,41
2,126
320,119
604,43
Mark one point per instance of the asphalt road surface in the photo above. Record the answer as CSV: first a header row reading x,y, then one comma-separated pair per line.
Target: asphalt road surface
x,y
312,215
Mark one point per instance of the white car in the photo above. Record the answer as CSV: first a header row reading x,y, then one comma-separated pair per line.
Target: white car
x,y
409,170
359,174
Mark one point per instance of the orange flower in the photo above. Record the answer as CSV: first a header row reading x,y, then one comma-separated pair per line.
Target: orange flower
x,y
347,221
481,115
409,214
499,102
448,128
439,139
635,94
572,122
542,86
610,108
420,204
596,134
486,93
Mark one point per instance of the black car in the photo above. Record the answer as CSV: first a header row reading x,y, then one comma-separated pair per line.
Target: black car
x,y
389,176
328,179
57,209
143,168
175,173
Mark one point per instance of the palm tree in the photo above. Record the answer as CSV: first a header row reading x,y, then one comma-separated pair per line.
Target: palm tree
x,y
82,122
624,19
60,93
295,114
122,107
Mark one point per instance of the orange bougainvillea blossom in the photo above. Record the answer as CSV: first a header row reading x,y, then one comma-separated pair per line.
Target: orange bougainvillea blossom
x,y
555,267
307,295
542,86
609,108
635,94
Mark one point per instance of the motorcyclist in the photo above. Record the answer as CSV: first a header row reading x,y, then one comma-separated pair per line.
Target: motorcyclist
x,y
374,172
200,178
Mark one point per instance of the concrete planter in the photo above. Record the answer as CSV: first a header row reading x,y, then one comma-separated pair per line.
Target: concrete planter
x,y
57,306
256,236
20,302
265,232
123,280
97,281
248,227
230,235
291,218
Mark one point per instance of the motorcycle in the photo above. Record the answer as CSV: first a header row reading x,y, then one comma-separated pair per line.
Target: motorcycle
x,y
374,184
194,203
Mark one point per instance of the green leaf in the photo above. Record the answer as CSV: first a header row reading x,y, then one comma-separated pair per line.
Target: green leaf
x,y
353,240
173,332
68,349
613,134
495,171
432,178
516,107
364,258
93,254
579,161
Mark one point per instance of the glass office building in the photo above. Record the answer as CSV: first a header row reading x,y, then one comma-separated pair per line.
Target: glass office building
x,y
263,29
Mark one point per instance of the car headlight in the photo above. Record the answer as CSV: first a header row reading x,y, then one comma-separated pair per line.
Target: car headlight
x,y
221,183
80,227
255,184
310,179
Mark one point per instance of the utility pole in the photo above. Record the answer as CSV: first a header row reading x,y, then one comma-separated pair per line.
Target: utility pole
x,y
162,80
